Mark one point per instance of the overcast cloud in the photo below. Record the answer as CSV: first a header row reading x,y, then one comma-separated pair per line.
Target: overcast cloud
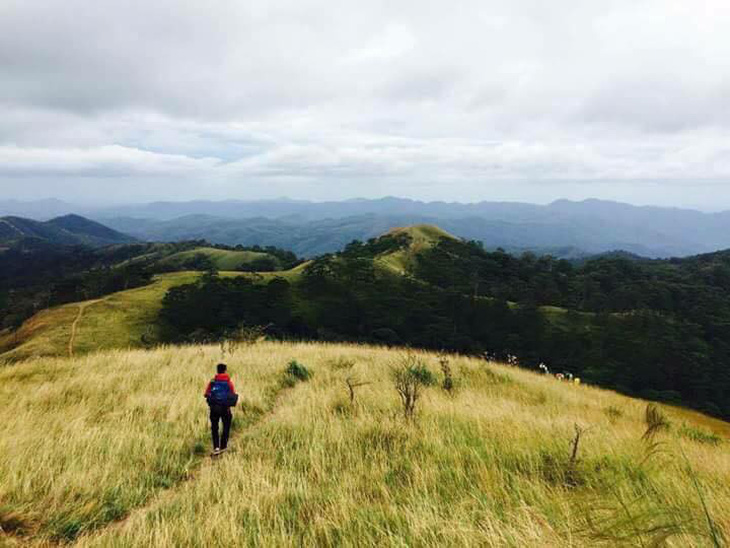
x,y
104,101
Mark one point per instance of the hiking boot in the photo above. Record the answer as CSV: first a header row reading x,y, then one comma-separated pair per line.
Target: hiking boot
x,y
216,452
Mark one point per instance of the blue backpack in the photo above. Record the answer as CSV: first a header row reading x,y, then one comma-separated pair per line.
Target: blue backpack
x,y
220,394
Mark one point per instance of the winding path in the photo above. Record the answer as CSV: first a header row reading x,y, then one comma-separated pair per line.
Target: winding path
x,y
82,306
203,463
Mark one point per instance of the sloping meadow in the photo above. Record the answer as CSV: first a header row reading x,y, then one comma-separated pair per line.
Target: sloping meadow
x,y
111,450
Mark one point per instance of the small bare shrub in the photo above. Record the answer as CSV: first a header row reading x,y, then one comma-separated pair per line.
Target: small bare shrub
x,y
613,412
448,382
410,376
579,431
352,384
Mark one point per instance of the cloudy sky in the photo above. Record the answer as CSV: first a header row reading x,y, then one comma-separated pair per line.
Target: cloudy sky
x,y
127,101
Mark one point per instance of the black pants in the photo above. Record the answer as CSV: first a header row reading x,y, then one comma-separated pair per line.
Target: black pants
x,y
218,413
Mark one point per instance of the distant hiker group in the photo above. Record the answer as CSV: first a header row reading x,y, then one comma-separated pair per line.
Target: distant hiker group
x,y
221,396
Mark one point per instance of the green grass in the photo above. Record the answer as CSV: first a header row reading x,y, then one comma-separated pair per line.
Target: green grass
x,y
116,321
223,259
422,236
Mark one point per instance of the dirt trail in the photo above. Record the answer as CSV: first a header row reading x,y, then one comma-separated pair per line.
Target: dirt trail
x,y
82,306
203,464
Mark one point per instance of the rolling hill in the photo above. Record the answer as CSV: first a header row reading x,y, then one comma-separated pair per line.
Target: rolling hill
x,y
66,230
563,228
221,259
420,238
118,320
125,319
653,329
509,458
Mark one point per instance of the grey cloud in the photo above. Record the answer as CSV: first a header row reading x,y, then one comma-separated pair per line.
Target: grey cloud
x,y
287,97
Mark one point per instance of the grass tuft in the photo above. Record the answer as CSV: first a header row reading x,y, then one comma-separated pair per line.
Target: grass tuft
x,y
699,435
298,371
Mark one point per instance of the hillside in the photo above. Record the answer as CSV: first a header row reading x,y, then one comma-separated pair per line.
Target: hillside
x,y
650,328
118,320
221,259
420,238
125,319
66,230
123,463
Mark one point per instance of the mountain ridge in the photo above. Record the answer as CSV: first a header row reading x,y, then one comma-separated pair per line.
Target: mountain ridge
x,y
70,229
309,228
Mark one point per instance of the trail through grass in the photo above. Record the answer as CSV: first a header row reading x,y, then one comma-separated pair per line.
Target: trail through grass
x,y
250,417
74,326
120,461
88,444
116,321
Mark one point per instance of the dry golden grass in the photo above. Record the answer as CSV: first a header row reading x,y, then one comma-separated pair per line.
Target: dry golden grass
x,y
110,450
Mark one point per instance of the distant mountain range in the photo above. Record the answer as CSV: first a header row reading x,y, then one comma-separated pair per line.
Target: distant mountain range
x,y
65,230
563,228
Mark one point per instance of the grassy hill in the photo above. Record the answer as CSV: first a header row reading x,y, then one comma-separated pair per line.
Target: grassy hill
x,y
110,449
119,320
116,321
421,237
222,259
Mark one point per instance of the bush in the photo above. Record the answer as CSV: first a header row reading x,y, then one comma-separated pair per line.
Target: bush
x,y
296,370
410,376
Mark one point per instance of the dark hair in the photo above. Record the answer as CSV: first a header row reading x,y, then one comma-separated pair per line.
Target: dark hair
x,y
221,367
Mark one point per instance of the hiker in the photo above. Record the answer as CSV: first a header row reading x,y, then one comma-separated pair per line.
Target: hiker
x,y
221,396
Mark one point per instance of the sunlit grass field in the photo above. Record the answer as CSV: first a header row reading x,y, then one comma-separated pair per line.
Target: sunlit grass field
x,y
118,321
115,321
111,449
223,259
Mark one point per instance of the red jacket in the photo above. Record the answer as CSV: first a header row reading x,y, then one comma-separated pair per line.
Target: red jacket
x,y
220,377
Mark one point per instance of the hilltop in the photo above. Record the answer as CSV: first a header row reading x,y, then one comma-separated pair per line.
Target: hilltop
x,y
65,230
418,238
123,463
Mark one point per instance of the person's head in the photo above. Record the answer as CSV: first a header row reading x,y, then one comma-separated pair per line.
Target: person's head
x,y
221,368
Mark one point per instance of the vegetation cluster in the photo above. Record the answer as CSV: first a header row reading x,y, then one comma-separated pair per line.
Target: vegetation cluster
x,y
656,329
36,274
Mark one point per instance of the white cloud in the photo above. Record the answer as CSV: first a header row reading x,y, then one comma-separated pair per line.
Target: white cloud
x,y
427,99
109,160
